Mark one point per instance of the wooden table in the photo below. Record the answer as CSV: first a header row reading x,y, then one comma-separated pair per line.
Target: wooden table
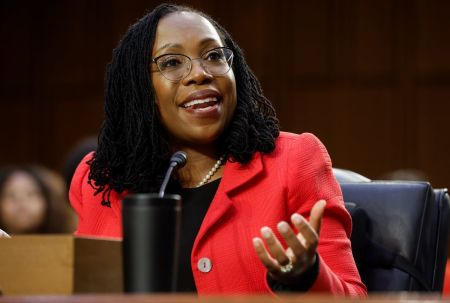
x,y
304,298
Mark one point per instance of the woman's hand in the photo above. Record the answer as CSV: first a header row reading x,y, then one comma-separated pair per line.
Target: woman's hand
x,y
4,234
285,265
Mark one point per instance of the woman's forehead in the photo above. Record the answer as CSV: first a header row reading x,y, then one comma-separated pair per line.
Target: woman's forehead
x,y
184,29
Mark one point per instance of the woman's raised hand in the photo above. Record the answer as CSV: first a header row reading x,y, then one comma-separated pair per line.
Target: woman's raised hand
x,y
287,264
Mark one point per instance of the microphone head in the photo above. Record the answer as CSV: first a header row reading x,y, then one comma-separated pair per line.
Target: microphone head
x,y
180,158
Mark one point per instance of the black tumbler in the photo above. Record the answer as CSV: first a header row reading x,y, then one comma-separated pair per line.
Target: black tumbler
x,y
151,229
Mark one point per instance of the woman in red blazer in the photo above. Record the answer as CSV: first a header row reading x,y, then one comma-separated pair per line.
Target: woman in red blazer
x,y
265,208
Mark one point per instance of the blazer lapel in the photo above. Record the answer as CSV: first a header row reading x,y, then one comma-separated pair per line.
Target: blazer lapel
x,y
234,178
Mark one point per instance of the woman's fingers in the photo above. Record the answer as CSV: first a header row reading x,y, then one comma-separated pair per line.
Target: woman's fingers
x,y
317,214
310,230
305,230
264,256
301,251
274,246
291,239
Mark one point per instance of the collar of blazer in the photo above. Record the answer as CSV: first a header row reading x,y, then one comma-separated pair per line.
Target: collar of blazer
x,y
234,179
237,175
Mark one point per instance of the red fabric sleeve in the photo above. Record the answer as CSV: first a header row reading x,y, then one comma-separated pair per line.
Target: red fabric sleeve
x,y
79,180
310,179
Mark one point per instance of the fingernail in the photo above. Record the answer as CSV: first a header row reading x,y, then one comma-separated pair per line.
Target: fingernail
x,y
296,218
266,232
256,241
283,227
323,202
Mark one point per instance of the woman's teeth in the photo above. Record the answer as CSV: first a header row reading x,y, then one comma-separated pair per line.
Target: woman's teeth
x,y
202,103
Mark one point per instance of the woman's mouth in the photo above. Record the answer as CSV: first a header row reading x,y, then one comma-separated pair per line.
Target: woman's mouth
x,y
201,104
205,103
209,105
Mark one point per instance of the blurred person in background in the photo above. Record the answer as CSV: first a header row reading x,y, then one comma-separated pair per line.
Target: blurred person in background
x,y
33,201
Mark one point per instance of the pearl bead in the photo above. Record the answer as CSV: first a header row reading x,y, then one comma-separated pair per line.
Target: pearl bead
x,y
212,171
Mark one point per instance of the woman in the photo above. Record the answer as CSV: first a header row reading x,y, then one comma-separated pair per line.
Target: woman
x,y
177,81
32,201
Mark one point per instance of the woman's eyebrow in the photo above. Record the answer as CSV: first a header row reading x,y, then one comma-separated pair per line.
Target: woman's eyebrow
x,y
169,45
207,40
177,45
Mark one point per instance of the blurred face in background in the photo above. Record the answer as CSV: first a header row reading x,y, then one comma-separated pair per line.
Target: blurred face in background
x,y
22,204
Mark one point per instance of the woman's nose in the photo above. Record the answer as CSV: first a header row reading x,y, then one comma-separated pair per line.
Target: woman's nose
x,y
198,74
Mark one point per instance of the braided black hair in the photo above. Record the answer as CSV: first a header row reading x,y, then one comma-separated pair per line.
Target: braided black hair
x,y
133,151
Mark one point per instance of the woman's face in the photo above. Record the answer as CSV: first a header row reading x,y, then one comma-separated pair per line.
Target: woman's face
x,y
22,204
188,123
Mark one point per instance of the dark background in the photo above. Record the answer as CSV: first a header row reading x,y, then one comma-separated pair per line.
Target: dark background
x,y
370,78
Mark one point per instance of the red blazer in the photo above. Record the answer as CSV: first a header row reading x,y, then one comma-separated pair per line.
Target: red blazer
x,y
263,192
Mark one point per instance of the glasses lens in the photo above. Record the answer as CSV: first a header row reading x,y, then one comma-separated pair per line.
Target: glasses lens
x,y
173,67
218,61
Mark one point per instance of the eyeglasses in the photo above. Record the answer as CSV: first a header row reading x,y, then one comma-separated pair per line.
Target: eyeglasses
x,y
175,67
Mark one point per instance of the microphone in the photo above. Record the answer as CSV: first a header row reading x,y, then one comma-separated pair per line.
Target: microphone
x,y
178,159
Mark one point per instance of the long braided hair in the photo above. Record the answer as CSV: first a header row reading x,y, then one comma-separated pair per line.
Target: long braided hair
x,y
133,151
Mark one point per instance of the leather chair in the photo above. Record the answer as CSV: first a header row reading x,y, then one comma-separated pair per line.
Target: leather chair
x,y
400,232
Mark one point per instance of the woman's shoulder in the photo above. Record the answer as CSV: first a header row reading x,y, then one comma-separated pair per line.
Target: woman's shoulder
x,y
304,152
82,171
292,138
302,144
95,218
80,182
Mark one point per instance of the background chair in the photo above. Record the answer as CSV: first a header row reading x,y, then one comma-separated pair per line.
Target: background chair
x,y
400,232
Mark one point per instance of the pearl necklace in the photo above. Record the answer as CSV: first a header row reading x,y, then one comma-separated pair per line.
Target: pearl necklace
x,y
212,171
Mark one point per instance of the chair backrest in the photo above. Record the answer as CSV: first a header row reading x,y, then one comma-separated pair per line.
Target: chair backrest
x,y
348,176
400,234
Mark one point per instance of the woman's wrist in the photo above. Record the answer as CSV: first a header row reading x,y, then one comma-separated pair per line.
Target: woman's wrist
x,y
300,283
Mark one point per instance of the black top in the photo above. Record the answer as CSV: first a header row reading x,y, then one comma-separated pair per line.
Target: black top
x,y
195,204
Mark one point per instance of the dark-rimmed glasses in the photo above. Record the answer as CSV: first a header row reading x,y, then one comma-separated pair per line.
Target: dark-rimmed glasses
x,y
174,67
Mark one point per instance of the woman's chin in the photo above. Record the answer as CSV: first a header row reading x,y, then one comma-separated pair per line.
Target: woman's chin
x,y
204,138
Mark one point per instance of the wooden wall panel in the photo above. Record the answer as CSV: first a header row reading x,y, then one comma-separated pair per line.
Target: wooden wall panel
x,y
352,124
432,83
73,120
374,40
433,43
370,78
17,131
433,135
308,49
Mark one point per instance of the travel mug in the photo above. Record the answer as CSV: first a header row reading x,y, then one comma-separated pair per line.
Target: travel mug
x,y
151,230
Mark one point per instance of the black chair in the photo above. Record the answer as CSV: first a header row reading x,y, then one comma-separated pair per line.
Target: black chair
x,y
400,232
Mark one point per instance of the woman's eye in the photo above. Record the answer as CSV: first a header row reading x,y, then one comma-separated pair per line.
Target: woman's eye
x,y
171,62
214,56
